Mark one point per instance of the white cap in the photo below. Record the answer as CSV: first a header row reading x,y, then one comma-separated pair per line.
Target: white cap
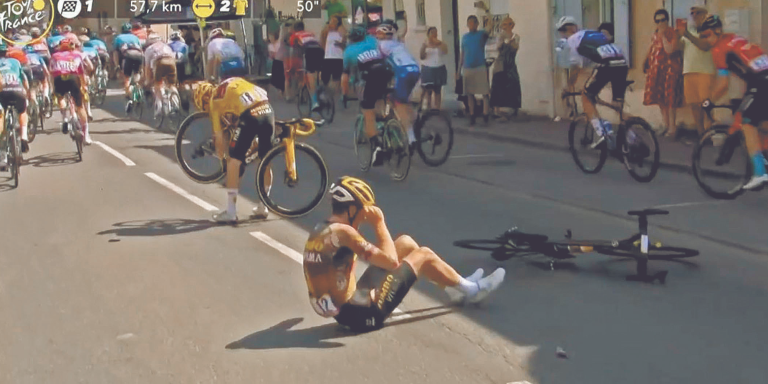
x,y
565,20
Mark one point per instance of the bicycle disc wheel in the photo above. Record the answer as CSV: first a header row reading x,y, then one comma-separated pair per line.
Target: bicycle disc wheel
x,y
304,102
397,151
640,149
195,150
581,135
363,148
434,135
721,181
654,253
288,192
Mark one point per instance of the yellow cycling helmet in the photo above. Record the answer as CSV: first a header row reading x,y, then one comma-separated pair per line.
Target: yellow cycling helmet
x,y
349,190
202,95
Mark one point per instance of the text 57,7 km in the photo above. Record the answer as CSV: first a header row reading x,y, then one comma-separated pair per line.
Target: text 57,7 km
x,y
151,5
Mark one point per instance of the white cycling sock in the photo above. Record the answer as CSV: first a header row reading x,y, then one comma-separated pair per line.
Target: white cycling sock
x,y
467,287
24,135
232,201
411,136
598,124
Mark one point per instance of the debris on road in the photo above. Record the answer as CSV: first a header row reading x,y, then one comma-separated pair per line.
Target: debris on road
x,y
561,353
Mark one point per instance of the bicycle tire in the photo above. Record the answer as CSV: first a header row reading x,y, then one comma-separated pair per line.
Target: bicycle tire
x,y
639,122
399,161
363,148
699,174
304,100
188,170
654,253
264,166
433,138
13,158
41,116
32,127
585,140
176,114
481,245
48,107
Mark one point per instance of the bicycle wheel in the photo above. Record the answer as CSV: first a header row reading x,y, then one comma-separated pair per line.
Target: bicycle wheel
x,y
399,161
48,107
363,148
195,150
32,126
327,105
434,138
640,149
176,115
304,102
480,245
726,179
654,252
581,136
161,118
14,151
313,197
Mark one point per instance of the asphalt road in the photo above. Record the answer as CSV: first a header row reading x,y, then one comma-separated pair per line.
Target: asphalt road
x,y
109,275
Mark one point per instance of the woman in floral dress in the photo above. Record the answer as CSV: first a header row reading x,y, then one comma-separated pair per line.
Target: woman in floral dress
x,y
664,72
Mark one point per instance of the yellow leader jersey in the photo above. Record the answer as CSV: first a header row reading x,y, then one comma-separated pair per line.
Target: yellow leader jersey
x,y
235,95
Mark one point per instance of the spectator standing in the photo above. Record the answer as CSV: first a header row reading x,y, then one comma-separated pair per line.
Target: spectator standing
x,y
434,75
698,67
472,64
284,53
505,90
278,70
664,69
334,39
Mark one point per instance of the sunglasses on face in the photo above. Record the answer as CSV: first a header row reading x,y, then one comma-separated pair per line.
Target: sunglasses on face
x,y
660,20
697,13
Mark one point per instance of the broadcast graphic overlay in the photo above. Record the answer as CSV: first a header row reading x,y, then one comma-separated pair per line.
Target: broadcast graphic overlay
x,y
18,14
309,9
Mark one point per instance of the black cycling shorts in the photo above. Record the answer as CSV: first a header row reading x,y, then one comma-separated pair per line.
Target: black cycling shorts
x,y
27,72
753,104
258,121
181,72
131,62
71,84
389,294
17,99
38,73
332,69
376,84
601,76
313,58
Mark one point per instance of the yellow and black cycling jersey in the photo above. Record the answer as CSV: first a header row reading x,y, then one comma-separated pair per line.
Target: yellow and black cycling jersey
x,y
235,96
328,270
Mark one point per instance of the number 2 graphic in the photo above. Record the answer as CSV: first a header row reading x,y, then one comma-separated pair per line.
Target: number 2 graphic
x,y
225,5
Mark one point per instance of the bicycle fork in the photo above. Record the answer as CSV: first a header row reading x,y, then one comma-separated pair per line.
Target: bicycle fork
x,y
291,177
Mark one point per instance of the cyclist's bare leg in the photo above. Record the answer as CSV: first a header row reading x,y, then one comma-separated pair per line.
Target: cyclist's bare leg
x,y
23,120
158,91
438,99
752,138
312,85
404,245
369,115
427,263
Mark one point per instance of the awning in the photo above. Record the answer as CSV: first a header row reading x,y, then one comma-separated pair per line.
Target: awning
x,y
186,16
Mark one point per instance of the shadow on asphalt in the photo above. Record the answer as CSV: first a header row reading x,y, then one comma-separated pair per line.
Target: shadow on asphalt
x,y
281,336
166,227
53,159
5,185
124,131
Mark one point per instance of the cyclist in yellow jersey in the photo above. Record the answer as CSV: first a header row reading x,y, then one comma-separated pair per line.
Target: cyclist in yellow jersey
x,y
236,98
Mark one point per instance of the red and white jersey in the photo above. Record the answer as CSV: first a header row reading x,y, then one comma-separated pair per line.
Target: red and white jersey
x,y
734,53
67,63
304,38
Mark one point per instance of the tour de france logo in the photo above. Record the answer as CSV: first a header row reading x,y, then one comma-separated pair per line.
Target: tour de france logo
x,y
26,14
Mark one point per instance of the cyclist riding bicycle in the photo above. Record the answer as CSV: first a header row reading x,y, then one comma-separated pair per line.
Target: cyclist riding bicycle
x,y
67,69
14,92
129,56
181,51
406,70
93,55
331,252
733,53
66,31
611,68
225,58
101,48
307,46
40,45
363,53
39,73
236,98
54,39
160,68
140,32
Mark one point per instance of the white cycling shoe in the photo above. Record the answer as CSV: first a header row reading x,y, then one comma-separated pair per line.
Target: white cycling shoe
x,y
487,285
457,296
756,182
260,211
224,217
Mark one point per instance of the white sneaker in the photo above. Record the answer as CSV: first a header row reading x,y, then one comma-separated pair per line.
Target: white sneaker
x,y
455,295
756,182
260,211
224,217
487,285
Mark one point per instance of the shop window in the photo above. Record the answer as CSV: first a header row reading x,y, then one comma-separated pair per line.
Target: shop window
x,y
421,13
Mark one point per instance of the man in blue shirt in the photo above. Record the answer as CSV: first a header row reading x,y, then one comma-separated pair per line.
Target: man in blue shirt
x,y
472,62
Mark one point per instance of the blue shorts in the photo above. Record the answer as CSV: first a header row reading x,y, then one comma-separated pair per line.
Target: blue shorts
x,y
232,68
406,78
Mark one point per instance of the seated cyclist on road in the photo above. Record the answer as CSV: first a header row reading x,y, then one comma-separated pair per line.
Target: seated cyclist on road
x,y
732,53
68,67
236,98
225,58
159,68
406,70
13,92
309,47
363,53
129,56
331,253
612,68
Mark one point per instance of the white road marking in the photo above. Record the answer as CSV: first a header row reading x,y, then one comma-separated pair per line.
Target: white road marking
x,y
297,257
470,156
690,204
173,187
114,92
114,153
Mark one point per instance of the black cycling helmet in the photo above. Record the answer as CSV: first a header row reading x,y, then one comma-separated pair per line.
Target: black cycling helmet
x,y
126,28
711,22
356,34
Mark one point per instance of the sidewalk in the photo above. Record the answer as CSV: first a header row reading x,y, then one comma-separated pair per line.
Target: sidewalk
x,y
543,132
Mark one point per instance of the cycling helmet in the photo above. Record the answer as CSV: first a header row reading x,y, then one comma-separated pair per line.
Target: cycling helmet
x,y
126,28
357,33
564,22
66,29
711,22
349,190
153,38
65,45
386,28
216,32
23,32
230,35
202,95
83,38
175,35
35,32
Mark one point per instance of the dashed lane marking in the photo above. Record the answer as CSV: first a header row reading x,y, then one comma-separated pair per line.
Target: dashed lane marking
x,y
114,153
296,256
173,187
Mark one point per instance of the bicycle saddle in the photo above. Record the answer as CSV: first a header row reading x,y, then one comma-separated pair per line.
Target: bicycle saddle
x,y
648,212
